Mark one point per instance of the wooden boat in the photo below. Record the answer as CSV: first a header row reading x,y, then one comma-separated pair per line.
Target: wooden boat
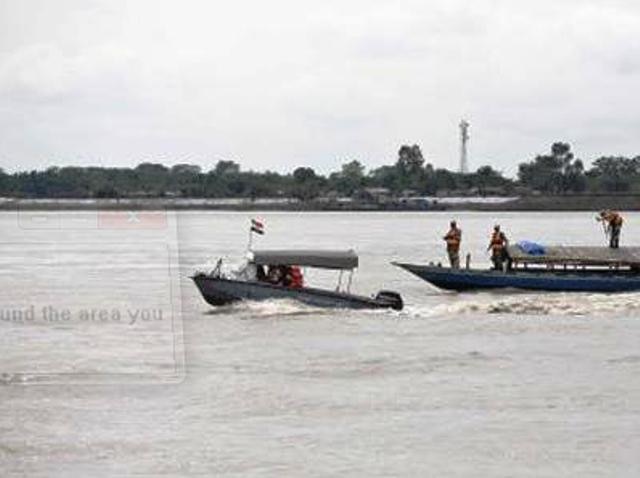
x,y
218,288
562,269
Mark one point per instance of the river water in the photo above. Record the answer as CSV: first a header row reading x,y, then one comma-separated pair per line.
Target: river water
x,y
112,364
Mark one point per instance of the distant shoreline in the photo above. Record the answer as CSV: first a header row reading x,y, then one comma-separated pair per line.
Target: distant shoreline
x,y
627,202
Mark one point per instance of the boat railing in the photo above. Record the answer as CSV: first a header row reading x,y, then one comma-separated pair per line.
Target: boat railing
x,y
349,282
217,270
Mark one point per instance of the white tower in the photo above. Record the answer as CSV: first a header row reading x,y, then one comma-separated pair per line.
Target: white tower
x,y
464,138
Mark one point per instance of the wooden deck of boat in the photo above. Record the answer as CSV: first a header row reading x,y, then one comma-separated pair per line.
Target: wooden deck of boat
x,y
572,255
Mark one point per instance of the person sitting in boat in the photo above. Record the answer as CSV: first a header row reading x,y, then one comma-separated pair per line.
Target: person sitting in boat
x,y
453,239
612,221
294,277
285,273
275,275
498,247
261,275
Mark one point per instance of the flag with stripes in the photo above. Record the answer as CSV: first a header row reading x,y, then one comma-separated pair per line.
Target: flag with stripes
x,y
257,226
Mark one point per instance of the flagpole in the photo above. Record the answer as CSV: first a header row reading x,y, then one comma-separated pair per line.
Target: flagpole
x,y
258,228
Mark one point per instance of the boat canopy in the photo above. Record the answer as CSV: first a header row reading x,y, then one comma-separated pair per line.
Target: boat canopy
x,y
579,256
322,259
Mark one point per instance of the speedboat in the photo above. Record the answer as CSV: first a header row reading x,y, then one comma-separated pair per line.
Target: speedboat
x,y
252,283
557,268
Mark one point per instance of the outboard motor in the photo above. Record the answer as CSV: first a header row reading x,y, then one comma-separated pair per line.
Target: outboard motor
x,y
392,298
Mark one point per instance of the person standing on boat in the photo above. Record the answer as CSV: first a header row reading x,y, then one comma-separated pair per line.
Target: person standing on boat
x,y
498,247
453,239
613,225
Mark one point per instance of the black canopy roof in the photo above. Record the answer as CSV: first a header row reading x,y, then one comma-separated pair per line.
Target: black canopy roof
x,y
311,258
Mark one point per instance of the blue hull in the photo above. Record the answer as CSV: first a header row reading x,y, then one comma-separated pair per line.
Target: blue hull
x,y
470,279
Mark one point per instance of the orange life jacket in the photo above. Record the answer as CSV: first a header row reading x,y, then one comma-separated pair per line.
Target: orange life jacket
x,y
453,238
497,241
297,281
613,218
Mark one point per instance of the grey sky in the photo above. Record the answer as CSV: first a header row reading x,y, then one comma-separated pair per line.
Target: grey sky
x,y
284,83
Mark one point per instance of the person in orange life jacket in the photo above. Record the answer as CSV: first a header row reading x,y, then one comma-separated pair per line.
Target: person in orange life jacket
x,y
498,247
295,278
453,239
613,225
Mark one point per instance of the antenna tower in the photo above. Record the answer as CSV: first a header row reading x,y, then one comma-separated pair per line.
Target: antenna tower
x,y
464,139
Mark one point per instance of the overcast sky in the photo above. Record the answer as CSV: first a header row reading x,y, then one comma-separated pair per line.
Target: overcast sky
x,y
281,83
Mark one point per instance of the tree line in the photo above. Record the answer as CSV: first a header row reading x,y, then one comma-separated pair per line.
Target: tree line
x,y
556,172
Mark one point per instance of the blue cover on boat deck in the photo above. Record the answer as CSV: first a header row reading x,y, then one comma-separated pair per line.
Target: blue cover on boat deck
x,y
532,248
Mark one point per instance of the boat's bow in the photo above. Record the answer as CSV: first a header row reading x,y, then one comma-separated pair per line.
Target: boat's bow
x,y
415,269
438,276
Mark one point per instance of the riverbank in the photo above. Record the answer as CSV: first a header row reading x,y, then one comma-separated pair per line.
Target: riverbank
x,y
586,202
626,202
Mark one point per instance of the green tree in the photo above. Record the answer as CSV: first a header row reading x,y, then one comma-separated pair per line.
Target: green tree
x,y
444,179
557,172
386,177
615,173
306,184
227,167
349,180
225,180
407,172
410,160
411,174
152,178
4,183
186,179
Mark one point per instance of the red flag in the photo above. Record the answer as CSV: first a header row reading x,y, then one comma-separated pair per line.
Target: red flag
x,y
257,226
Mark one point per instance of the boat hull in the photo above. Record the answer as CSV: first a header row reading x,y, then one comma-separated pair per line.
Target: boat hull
x,y
472,279
219,291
